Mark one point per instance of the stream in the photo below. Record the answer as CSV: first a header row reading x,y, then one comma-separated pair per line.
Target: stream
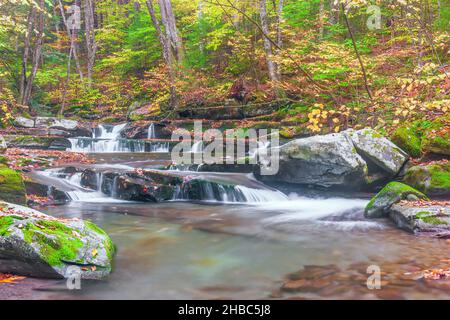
x,y
240,245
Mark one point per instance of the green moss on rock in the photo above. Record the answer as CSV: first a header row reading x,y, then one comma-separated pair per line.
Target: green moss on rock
x,y
5,223
12,187
429,218
436,138
57,242
408,139
392,193
433,180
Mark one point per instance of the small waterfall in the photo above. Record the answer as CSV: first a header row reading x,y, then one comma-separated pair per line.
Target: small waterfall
x,y
151,132
197,146
201,190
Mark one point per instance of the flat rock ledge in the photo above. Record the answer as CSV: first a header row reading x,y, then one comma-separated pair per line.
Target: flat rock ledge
x,y
37,245
423,219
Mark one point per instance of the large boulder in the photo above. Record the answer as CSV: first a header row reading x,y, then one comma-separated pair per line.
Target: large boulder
x,y
393,192
12,188
432,179
376,148
326,161
37,245
431,219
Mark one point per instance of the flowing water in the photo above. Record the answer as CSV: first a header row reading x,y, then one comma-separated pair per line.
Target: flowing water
x,y
108,138
244,242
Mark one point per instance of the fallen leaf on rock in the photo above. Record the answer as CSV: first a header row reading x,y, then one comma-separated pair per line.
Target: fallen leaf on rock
x,y
9,278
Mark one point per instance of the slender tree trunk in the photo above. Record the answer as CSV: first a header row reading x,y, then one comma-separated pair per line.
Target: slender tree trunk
x,y
271,65
72,37
279,33
26,54
64,94
168,21
321,18
363,70
334,12
167,54
91,45
36,53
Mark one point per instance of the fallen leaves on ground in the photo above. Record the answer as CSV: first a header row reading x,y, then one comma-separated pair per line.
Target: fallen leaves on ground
x,y
425,203
32,159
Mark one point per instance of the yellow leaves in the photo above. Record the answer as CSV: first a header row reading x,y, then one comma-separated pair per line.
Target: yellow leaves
x,y
94,253
9,278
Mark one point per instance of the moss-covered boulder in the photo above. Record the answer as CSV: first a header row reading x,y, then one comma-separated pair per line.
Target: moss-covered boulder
x,y
408,139
432,179
35,244
436,138
392,193
12,188
430,219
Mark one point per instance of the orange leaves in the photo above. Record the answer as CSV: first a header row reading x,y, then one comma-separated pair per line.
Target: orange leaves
x,y
9,278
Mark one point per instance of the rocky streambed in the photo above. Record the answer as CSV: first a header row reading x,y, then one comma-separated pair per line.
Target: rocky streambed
x,y
159,214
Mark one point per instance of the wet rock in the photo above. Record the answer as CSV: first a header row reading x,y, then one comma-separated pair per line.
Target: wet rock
x,y
372,145
432,219
131,186
12,188
139,130
392,193
36,142
37,245
326,161
24,122
432,179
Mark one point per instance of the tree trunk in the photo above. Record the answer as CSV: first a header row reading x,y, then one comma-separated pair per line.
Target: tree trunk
x,y
91,45
321,18
167,54
72,36
168,21
363,70
37,52
271,65
26,53
334,12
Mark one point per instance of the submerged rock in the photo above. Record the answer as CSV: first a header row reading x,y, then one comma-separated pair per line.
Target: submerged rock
x,y
12,188
326,161
372,145
433,219
37,245
392,193
432,179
